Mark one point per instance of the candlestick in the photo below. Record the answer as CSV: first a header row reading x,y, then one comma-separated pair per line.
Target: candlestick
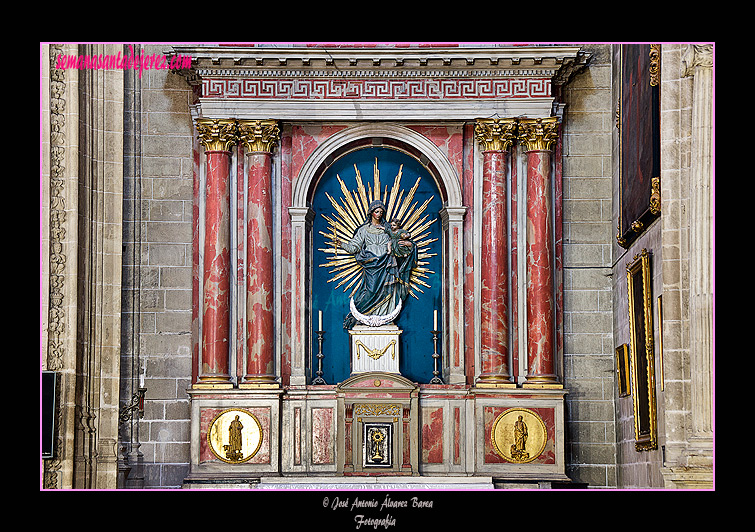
x,y
436,374
319,379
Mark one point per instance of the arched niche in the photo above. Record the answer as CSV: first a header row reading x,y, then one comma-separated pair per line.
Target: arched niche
x,y
451,318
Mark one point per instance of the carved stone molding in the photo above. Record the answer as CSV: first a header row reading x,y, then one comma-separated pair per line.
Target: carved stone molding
x,y
343,62
56,325
696,55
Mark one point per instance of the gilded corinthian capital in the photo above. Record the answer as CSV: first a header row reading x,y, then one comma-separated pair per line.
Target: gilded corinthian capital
x,y
497,134
538,133
217,134
259,135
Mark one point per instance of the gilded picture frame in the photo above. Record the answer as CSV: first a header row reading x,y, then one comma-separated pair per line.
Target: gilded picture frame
x,y
642,351
638,121
622,370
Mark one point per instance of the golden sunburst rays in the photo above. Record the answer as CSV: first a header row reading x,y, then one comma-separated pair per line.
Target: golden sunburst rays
x,y
350,211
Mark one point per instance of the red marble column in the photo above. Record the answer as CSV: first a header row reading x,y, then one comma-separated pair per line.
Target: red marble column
x,y
538,137
495,137
217,136
259,138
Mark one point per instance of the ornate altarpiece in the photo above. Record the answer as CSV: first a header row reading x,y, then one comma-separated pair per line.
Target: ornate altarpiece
x,y
482,126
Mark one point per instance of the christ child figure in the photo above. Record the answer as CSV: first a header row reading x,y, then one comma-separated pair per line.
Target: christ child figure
x,y
400,244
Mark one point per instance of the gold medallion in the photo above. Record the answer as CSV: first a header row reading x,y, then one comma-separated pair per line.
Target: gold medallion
x,y
235,435
519,435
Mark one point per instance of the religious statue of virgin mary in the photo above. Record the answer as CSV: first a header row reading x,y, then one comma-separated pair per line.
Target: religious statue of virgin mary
x,y
387,270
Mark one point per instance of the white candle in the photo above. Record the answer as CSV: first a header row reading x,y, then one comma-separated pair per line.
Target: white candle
x,y
435,320
320,321
141,380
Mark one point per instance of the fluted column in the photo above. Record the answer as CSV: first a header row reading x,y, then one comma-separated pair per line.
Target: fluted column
x,y
698,62
495,137
217,136
537,136
259,138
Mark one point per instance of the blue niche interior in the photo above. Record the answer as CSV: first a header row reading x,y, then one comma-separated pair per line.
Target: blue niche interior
x,y
416,318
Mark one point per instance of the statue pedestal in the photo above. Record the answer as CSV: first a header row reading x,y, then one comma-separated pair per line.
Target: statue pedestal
x,y
374,348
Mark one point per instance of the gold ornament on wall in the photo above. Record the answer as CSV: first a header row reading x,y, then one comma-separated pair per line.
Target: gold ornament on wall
x,y
538,133
217,134
259,135
234,435
496,134
519,435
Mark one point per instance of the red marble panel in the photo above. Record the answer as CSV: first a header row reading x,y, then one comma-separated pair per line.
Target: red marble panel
x,y
457,296
305,140
468,189
347,435
263,415
406,461
206,415
297,436
432,435
322,436
457,435
490,413
285,258
548,415
450,139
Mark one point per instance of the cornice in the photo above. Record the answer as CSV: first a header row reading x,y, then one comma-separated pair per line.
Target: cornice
x,y
462,62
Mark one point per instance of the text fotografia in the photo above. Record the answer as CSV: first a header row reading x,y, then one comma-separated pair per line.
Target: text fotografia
x,y
140,62
358,505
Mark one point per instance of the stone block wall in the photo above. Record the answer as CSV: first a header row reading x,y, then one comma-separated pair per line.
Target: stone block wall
x,y
588,299
157,267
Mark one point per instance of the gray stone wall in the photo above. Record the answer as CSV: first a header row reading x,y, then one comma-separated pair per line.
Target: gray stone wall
x,y
158,266
588,300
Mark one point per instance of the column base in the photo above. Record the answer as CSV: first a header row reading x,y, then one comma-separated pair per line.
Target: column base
x,y
494,381
266,381
542,382
213,383
258,385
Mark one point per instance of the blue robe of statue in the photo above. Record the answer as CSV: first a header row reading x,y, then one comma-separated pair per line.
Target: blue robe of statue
x,y
386,275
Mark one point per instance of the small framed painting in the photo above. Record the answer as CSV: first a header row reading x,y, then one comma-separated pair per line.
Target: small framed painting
x,y
642,352
622,370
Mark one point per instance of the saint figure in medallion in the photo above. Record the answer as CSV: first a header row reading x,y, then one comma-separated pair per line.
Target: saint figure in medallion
x,y
518,451
233,449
